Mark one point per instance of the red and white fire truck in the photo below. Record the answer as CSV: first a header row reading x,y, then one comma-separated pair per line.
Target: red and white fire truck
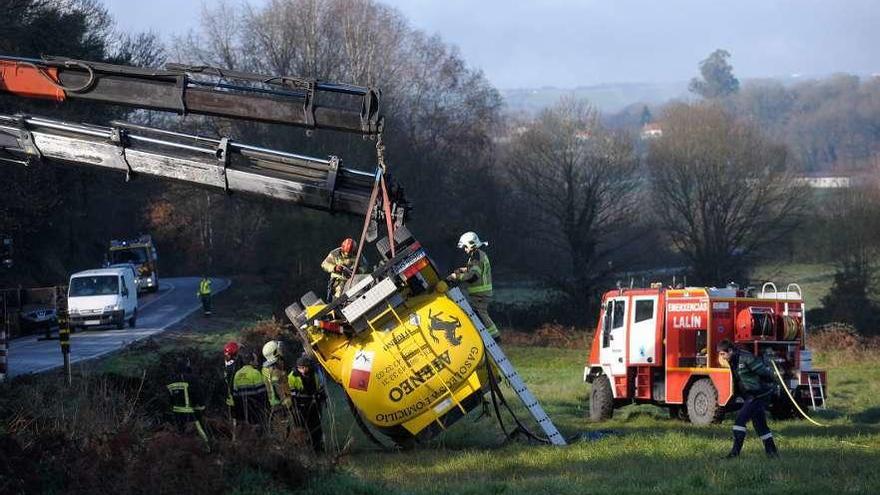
x,y
657,346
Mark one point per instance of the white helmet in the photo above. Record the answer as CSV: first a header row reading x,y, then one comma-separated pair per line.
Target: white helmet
x,y
271,351
471,240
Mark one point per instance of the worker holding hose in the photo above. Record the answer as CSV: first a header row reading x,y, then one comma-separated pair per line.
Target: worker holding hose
x,y
753,379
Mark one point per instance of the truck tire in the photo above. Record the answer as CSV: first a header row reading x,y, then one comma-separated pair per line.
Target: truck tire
x,y
702,403
133,320
601,399
121,323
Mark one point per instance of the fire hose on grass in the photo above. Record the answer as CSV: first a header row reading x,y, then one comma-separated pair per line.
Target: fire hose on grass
x,y
791,398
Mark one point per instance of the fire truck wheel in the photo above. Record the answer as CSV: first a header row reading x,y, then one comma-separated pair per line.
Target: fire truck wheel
x,y
702,403
601,399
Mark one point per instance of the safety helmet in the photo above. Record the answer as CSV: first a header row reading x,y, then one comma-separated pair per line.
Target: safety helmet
x,y
347,245
470,240
304,361
231,348
271,351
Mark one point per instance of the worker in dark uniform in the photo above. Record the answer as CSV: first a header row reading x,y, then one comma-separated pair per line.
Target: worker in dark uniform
x,y
753,381
231,365
308,397
249,390
187,400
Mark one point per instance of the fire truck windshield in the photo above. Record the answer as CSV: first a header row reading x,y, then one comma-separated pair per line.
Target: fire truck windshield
x,y
129,255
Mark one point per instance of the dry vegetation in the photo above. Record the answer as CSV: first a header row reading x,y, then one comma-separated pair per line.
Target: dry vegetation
x,y
112,433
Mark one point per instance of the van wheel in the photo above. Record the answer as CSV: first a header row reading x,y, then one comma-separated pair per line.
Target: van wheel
x,y
133,320
702,403
121,323
601,399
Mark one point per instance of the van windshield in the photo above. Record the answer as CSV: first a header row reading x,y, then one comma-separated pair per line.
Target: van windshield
x,y
100,285
137,255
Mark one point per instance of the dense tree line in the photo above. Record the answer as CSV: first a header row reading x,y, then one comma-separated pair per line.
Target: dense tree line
x,y
61,217
564,199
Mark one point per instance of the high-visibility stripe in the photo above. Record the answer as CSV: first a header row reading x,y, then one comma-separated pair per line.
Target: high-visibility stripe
x,y
484,276
739,428
765,437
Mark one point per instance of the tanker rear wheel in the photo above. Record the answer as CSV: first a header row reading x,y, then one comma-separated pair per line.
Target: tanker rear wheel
x,y
601,399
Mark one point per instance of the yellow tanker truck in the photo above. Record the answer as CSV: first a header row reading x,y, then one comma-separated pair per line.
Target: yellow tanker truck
x,y
407,349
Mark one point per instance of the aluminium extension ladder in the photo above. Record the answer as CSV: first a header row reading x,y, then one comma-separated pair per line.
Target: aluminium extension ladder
x,y
509,373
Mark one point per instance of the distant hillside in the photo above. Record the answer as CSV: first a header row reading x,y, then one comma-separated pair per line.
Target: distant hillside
x,y
608,98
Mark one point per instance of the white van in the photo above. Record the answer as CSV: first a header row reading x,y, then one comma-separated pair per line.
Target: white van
x,y
107,296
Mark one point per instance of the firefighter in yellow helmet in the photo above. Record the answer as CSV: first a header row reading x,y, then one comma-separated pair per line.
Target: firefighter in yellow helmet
x,y
339,263
476,278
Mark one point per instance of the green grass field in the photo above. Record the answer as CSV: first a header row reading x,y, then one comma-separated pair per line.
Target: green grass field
x,y
648,453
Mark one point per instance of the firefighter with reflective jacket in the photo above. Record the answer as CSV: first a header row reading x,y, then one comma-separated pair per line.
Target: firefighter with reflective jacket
x,y
339,263
204,294
249,390
187,400
753,380
275,379
476,277
308,398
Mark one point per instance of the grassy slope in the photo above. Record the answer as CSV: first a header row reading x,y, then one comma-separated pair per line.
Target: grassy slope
x,y
815,279
651,454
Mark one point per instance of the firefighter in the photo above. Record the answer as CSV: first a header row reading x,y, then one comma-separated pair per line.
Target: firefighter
x,y
230,367
204,294
187,402
249,390
476,276
308,398
275,379
339,263
753,382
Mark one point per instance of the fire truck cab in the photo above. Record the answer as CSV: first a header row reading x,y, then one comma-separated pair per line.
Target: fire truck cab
x,y
657,346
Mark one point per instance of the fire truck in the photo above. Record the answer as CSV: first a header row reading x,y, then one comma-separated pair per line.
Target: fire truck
x,y
141,253
657,346
407,349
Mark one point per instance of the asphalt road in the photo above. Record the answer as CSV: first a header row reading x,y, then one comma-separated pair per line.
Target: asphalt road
x,y
175,300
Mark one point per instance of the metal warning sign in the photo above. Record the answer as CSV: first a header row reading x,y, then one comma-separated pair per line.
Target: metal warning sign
x,y
361,369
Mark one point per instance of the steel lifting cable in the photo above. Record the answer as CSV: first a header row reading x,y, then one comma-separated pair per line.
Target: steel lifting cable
x,y
788,393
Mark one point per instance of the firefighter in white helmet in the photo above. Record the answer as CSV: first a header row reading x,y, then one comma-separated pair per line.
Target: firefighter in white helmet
x,y
476,277
275,379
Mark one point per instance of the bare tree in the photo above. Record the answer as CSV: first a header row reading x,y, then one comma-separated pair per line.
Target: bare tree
x,y
577,185
721,190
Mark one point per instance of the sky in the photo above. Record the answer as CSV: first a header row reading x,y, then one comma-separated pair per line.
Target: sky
x,y
572,43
